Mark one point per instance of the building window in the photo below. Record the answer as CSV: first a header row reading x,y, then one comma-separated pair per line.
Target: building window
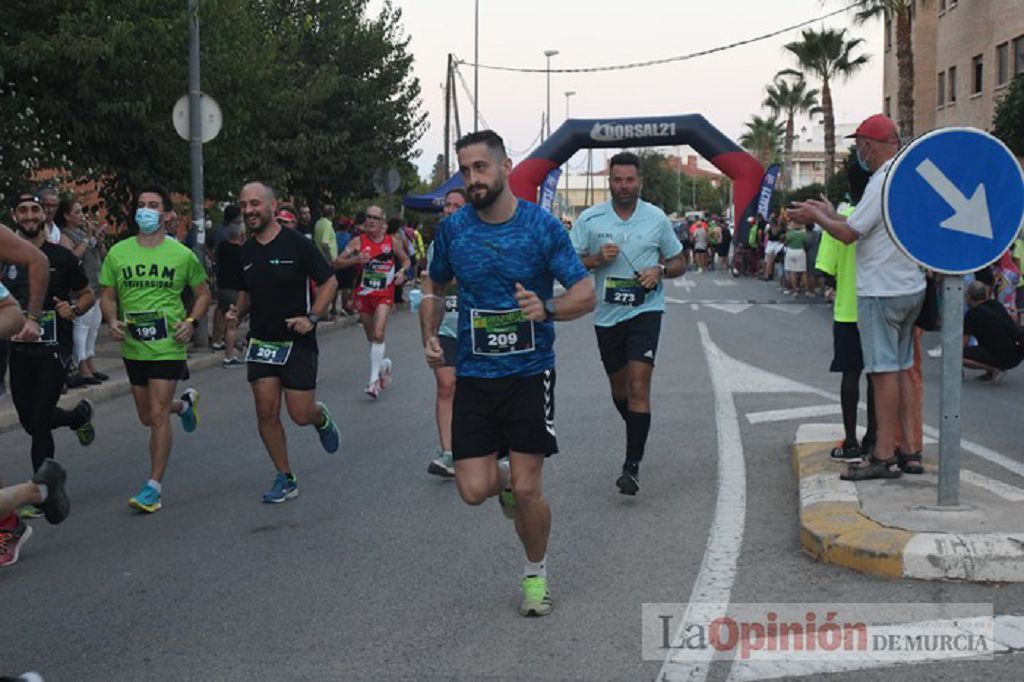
x,y
941,89
1002,64
952,85
888,107
977,69
1018,56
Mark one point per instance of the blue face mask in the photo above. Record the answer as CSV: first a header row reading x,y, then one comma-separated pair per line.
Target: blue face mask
x,y
860,162
148,220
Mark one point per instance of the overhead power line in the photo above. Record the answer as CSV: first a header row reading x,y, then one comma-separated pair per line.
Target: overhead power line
x,y
667,60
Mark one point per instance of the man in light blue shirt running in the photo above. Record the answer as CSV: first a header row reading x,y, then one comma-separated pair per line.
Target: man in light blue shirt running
x,y
630,246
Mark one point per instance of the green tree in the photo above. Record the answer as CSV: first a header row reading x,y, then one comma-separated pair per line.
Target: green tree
x,y
902,12
789,99
828,56
661,186
315,95
763,138
1008,123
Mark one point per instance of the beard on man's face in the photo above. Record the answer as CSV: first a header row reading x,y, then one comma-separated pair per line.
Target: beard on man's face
x,y
482,201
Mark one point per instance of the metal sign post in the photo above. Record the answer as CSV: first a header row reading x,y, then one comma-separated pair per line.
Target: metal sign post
x,y
949,401
953,201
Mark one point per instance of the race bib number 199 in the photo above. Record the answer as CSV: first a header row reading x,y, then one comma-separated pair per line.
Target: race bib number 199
x,y
378,281
48,327
147,326
501,332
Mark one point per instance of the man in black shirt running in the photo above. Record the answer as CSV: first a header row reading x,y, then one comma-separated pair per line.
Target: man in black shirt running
x,y
277,265
39,368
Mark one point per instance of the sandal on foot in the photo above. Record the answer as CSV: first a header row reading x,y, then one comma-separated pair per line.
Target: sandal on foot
x,y
874,468
909,464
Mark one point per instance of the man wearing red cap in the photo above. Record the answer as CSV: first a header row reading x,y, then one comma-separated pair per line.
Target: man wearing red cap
x,y
890,292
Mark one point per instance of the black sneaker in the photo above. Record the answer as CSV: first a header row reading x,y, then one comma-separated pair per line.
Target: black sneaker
x,y
53,476
629,481
86,433
844,452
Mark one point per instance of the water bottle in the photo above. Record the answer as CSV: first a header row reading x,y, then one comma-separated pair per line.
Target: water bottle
x,y
415,296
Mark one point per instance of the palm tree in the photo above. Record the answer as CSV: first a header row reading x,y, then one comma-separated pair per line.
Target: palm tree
x,y
828,55
902,11
763,138
790,99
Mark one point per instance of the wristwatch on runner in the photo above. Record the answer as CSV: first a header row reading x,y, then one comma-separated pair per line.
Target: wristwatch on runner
x,y
549,309
192,321
314,318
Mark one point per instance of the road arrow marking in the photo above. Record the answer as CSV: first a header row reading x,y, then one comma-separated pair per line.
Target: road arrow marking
x,y
970,216
683,282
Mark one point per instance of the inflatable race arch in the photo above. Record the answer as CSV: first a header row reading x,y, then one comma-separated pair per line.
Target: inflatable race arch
x,y
694,130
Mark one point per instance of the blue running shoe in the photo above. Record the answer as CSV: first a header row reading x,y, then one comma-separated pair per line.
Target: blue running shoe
x,y
285,488
190,415
148,500
328,432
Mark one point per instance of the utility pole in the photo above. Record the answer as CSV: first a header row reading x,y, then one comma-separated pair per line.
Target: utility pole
x,y
549,54
476,66
568,94
447,116
195,147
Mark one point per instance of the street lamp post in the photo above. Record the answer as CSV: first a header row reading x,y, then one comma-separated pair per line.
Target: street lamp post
x,y
547,119
568,94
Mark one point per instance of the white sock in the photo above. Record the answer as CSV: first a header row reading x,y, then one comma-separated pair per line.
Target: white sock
x,y
155,485
44,492
539,569
376,357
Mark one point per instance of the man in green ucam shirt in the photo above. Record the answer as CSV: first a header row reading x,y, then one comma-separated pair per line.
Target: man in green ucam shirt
x,y
142,279
840,261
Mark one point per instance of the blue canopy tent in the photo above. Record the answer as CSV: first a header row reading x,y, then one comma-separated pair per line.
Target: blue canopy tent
x,y
432,201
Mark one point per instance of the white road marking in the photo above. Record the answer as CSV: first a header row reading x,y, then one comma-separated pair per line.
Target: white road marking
x,y
793,413
983,452
724,282
712,589
713,586
694,306
977,557
791,308
683,282
1008,492
733,308
1008,638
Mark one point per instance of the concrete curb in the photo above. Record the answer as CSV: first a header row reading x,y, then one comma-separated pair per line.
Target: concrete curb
x,y
118,385
834,531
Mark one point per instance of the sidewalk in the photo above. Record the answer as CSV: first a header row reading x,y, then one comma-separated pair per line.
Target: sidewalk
x,y
895,528
108,360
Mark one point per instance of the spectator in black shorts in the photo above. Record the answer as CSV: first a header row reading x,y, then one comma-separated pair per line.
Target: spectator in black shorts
x,y
229,281
1000,344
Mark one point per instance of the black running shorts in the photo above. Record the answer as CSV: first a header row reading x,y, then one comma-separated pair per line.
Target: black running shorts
x,y
846,352
515,411
635,339
450,349
298,374
141,371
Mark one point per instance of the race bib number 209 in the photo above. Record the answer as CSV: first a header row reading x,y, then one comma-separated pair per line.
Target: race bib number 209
x,y
501,332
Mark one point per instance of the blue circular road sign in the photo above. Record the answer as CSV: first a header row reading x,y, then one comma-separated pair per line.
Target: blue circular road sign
x,y
953,200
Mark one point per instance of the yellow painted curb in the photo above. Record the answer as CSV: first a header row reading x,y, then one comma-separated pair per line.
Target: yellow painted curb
x,y
837,532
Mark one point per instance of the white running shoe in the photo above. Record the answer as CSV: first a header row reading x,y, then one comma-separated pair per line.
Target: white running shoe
x,y
372,389
384,375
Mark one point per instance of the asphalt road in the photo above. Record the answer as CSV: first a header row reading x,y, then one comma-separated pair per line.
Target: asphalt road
x,y
378,572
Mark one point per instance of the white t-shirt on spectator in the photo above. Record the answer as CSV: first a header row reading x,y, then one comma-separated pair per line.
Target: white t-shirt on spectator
x,y
882,269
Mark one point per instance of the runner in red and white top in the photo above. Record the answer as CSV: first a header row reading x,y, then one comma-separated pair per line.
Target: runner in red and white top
x,y
375,292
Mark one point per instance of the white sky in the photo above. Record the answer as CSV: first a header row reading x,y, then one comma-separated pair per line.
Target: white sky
x,y
726,88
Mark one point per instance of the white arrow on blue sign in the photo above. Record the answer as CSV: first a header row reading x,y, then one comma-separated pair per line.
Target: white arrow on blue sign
x,y
953,200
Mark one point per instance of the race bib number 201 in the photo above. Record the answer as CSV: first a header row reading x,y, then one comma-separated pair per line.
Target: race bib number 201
x,y
501,332
268,352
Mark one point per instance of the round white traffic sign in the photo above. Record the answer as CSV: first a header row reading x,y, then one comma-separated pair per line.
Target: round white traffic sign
x,y
209,113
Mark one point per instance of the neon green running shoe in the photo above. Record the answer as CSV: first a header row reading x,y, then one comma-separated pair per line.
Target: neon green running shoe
x,y
536,598
508,504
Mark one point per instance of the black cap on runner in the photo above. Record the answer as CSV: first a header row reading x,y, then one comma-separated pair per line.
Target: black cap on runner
x,y
23,197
